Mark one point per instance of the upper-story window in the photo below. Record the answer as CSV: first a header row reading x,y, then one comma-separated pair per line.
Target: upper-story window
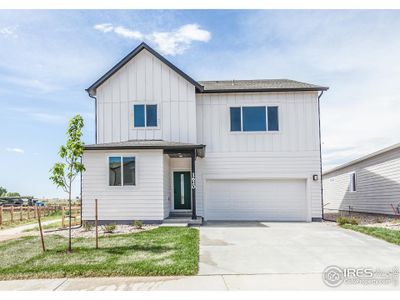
x,y
254,118
352,182
121,170
145,115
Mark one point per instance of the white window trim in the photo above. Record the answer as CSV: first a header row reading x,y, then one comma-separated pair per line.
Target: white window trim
x,y
145,116
122,172
266,119
352,189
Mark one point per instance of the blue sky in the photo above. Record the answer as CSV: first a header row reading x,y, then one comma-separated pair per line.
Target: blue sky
x,y
48,58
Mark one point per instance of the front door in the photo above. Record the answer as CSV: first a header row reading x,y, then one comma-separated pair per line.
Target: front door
x,y
182,192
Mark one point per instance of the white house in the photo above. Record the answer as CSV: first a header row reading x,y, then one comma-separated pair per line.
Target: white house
x,y
370,184
220,150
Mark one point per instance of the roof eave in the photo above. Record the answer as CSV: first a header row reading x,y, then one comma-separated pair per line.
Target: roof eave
x,y
149,147
278,90
362,159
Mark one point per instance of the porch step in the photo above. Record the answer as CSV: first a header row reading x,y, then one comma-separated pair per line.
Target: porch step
x,y
177,214
181,221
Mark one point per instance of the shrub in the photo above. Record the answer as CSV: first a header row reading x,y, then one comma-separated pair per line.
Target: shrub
x,y
344,220
109,228
137,224
87,226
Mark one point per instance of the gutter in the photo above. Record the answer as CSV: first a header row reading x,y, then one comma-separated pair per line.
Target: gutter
x,y
95,115
320,154
267,90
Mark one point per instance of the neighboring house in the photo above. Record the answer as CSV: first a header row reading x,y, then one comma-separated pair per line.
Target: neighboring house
x,y
221,150
369,184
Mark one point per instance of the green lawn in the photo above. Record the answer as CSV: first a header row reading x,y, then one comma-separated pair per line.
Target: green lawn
x,y
391,236
161,251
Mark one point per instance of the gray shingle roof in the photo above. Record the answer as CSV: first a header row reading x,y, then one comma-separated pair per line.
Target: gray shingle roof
x,y
143,144
363,158
258,85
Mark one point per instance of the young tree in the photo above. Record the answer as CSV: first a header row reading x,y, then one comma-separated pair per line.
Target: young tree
x,y
3,191
12,194
64,173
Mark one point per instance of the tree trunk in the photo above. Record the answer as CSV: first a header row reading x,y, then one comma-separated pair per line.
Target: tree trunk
x,y
70,219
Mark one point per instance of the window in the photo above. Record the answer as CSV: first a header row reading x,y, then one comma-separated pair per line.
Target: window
x,y
236,120
352,185
254,118
145,115
121,170
273,124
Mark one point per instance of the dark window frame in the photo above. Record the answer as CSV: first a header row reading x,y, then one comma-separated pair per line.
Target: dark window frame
x,y
353,182
269,110
121,170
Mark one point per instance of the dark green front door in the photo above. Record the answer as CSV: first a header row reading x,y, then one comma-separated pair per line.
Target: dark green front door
x,y
182,191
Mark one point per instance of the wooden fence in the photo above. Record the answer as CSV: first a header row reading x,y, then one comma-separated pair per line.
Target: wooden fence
x,y
12,214
75,215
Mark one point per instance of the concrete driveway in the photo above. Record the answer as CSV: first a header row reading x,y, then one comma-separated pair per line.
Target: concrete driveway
x,y
289,248
253,256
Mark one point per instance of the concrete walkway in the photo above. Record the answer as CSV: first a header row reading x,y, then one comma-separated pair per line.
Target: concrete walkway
x,y
211,282
16,232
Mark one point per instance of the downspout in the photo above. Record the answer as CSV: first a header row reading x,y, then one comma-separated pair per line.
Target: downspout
x,y
95,116
320,154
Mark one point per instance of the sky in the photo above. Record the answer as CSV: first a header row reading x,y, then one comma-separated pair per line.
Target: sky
x,y
48,58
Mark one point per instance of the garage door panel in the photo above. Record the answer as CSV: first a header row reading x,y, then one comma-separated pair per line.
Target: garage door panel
x,y
275,200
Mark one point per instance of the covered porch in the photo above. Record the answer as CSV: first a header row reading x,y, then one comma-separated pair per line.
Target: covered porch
x,y
165,185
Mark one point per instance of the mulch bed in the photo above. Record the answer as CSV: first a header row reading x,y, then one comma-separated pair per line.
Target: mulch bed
x,y
367,219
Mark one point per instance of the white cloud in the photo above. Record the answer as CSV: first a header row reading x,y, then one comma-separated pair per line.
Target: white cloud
x,y
105,27
16,150
43,117
127,33
167,42
9,31
176,42
32,84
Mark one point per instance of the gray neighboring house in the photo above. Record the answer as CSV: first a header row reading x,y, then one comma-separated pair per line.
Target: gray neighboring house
x,y
369,184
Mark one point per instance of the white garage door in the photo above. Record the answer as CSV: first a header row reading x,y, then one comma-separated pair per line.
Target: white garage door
x,y
262,200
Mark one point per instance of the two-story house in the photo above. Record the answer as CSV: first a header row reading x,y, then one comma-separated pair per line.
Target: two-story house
x,y
221,150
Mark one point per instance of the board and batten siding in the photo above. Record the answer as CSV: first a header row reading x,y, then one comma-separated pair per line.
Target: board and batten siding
x,y
141,202
146,80
377,185
290,153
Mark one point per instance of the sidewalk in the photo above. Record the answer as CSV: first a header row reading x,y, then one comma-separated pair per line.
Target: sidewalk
x,y
16,232
311,281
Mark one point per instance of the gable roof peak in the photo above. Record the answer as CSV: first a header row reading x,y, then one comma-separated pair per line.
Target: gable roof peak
x,y
92,89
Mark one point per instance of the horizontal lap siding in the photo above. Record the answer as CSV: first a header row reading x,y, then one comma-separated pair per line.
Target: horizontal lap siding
x,y
378,185
293,151
261,165
142,202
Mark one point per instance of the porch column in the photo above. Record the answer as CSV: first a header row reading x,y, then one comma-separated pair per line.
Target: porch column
x,y
193,184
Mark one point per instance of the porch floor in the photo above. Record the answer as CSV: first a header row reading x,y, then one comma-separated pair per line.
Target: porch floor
x,y
181,220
